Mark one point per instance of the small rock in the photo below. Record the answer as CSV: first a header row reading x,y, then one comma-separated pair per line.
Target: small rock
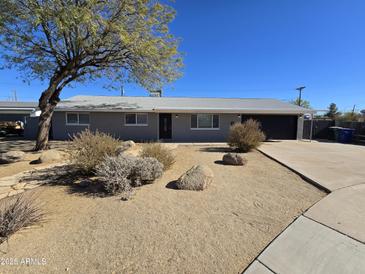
x,y
4,195
14,192
31,186
124,146
19,186
196,178
49,156
234,159
11,156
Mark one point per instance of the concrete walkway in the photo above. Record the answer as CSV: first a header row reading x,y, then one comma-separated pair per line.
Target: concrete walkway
x,y
330,236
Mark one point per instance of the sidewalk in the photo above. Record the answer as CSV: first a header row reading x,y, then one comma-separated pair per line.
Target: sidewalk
x,y
330,236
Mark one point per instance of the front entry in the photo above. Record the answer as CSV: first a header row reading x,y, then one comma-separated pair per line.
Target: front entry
x,y
165,126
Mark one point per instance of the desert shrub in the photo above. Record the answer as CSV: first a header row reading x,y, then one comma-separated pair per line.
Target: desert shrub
x,y
114,173
246,136
16,213
118,174
161,153
146,170
88,149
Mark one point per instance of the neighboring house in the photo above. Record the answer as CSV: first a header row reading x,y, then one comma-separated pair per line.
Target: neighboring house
x,y
16,111
178,119
11,111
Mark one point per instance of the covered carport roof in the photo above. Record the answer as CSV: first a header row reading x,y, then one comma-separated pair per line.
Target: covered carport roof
x,y
179,104
17,107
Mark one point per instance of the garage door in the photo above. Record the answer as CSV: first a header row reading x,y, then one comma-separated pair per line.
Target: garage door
x,y
276,126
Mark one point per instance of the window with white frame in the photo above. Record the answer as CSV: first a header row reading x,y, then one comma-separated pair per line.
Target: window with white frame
x,y
77,119
136,119
204,121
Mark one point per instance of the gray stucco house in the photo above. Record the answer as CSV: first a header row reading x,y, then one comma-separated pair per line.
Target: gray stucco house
x,y
177,119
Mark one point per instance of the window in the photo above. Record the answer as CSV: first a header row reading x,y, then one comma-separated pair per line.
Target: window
x,y
136,119
205,121
77,118
84,119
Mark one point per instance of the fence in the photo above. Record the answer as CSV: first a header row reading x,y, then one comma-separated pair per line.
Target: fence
x,y
321,128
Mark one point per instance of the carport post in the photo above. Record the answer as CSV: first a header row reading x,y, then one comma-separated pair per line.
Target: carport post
x,y
311,127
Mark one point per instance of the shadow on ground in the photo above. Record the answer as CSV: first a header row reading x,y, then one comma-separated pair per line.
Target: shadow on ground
x,y
67,175
172,185
19,143
216,149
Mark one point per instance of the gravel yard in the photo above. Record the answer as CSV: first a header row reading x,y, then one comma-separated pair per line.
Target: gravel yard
x,y
164,230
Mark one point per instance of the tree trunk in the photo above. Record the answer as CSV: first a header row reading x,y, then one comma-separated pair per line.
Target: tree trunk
x,y
47,104
44,125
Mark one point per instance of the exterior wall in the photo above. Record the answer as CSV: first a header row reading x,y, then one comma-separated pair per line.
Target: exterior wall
x,y
181,131
31,128
107,122
113,123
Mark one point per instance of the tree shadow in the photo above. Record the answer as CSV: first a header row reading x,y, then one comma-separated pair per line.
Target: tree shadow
x,y
69,176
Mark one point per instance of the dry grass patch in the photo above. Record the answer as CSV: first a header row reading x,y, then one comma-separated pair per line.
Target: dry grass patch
x,y
160,152
88,149
17,213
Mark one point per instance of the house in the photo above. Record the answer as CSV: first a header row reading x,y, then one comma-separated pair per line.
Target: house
x,y
177,119
16,111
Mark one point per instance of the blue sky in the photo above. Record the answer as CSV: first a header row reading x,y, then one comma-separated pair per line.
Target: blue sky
x,y
257,49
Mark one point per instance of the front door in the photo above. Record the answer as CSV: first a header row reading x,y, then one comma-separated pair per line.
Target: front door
x,y
165,126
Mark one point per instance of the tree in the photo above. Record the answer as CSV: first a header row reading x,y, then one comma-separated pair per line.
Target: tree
x,y
350,116
68,41
303,103
333,112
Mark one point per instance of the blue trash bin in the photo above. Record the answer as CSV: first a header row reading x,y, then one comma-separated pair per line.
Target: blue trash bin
x,y
345,135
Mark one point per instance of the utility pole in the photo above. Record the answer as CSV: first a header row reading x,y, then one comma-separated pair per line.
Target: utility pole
x,y
353,110
15,96
122,91
300,95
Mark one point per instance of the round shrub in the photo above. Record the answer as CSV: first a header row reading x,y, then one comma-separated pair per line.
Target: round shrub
x,y
114,173
146,170
118,174
246,136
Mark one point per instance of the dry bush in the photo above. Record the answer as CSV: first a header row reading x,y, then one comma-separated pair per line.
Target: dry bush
x,y
119,174
146,170
161,153
246,136
16,213
114,173
88,149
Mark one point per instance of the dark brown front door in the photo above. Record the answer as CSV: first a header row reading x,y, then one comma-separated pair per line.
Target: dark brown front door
x,y
165,126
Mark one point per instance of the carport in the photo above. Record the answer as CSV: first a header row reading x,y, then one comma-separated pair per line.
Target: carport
x,y
277,126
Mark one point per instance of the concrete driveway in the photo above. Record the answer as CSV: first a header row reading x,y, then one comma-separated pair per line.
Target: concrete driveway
x,y
330,236
331,165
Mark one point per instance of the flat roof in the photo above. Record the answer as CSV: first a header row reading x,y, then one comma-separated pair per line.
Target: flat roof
x,y
11,107
179,104
13,104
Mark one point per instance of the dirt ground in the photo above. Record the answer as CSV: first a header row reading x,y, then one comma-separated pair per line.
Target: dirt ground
x,y
164,230
13,143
